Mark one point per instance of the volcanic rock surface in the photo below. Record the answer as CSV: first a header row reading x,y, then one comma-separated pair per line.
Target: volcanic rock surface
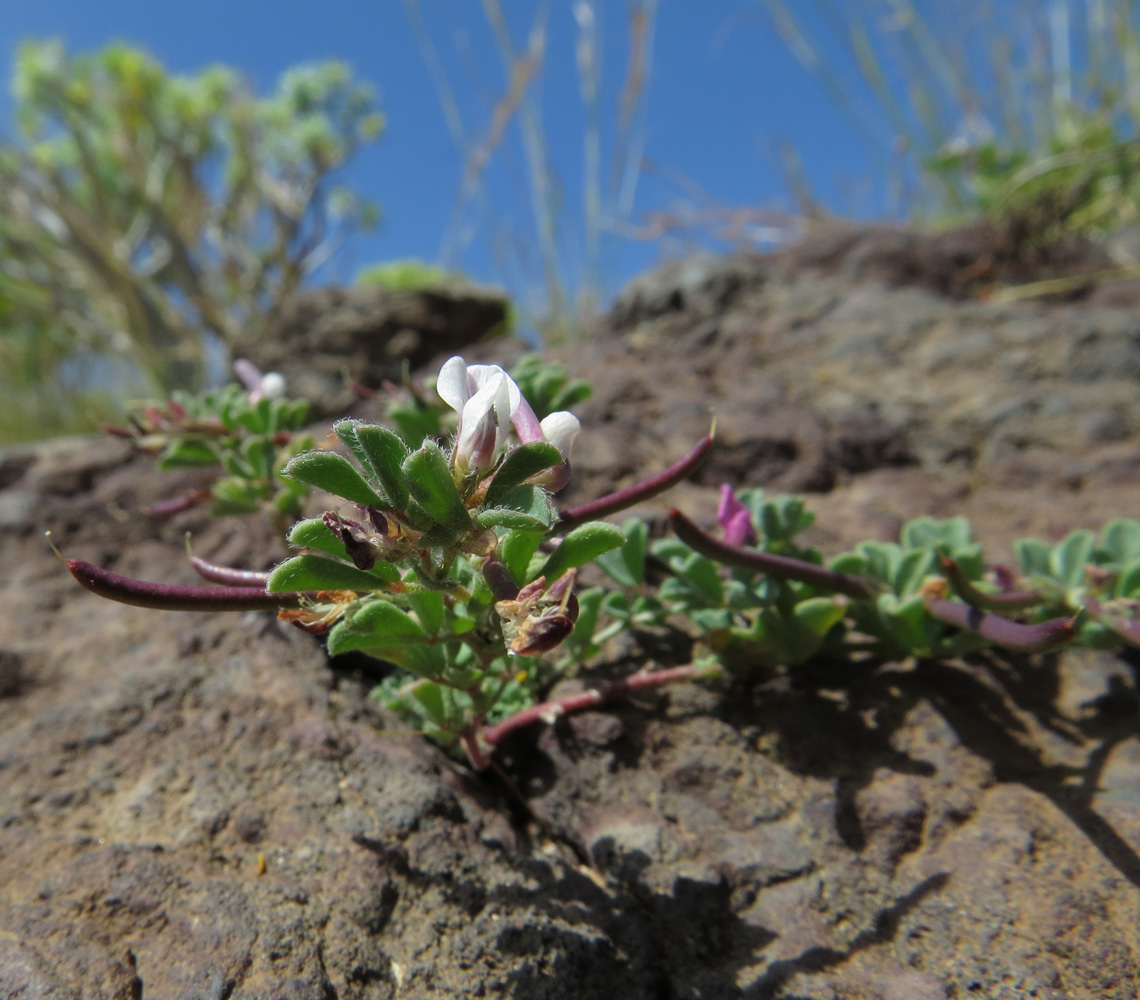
x,y
198,806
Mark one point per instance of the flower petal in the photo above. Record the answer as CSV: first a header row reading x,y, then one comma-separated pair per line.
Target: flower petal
x,y
247,371
453,384
561,428
482,374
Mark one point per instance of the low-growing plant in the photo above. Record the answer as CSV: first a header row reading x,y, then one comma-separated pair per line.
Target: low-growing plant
x,y
452,562
249,432
433,560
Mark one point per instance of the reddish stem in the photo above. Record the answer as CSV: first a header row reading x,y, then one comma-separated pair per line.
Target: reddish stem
x,y
167,597
166,508
647,488
1009,600
783,567
549,711
228,576
1001,631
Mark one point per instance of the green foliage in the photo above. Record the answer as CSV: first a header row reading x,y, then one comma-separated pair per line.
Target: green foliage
x,y
140,209
547,385
1045,138
251,441
751,617
406,276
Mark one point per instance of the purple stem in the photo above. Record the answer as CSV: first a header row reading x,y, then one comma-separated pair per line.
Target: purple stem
x,y
1010,600
176,505
1126,627
167,597
549,711
227,576
650,487
782,567
1001,631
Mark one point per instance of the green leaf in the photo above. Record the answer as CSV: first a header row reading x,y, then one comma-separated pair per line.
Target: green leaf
x,y
1032,556
183,454
1121,537
1128,583
911,570
570,395
431,702
522,507
387,624
626,566
929,532
854,563
313,533
334,474
516,551
342,639
236,466
907,621
311,572
703,576
415,424
521,463
429,481
580,643
1068,558
580,546
819,614
346,431
428,606
386,453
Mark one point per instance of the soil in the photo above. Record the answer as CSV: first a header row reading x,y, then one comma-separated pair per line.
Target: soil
x,y
198,806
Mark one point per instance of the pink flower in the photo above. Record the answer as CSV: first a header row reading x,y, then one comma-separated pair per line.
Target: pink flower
x,y
735,519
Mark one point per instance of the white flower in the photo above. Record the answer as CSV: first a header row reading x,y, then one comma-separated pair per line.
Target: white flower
x,y
271,385
487,399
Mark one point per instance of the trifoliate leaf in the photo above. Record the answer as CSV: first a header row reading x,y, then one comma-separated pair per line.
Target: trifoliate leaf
x,y
523,462
523,507
313,533
429,481
346,431
334,474
387,624
581,545
386,453
312,572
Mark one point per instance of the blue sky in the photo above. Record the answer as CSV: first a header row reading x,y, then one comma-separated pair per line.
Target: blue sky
x,y
724,93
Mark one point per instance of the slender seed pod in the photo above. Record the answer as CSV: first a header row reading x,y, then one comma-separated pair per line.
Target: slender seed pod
x,y
650,487
168,597
1010,600
782,567
1015,636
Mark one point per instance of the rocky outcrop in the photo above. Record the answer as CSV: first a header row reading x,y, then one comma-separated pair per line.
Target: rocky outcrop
x,y
369,334
206,806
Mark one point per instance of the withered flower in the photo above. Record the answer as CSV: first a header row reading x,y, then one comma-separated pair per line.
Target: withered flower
x,y
539,618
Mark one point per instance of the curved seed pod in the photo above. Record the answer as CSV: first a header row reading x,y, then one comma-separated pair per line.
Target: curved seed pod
x,y
228,576
1010,600
650,487
168,597
784,568
1019,638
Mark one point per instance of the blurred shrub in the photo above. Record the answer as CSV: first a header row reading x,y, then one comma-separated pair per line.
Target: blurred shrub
x,y
142,213
408,275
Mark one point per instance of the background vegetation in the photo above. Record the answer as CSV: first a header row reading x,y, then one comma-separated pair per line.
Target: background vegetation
x,y
146,217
